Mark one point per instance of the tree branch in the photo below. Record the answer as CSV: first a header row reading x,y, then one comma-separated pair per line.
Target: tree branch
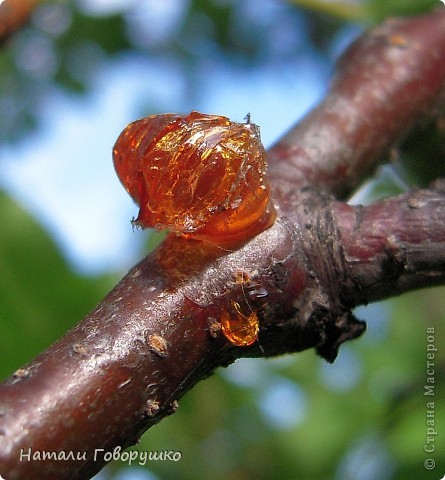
x,y
394,245
124,367
13,15
384,83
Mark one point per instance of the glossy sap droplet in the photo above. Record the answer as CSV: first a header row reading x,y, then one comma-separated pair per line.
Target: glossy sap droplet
x,y
198,175
239,328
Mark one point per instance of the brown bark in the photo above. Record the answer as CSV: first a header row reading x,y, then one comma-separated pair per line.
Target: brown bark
x,y
384,83
13,15
124,367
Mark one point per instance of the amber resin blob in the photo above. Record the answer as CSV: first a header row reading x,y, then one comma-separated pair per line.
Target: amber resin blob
x,y
199,175
238,327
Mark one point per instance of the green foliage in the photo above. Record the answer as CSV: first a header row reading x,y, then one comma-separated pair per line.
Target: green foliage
x,y
63,47
427,141
380,9
40,297
368,11
88,41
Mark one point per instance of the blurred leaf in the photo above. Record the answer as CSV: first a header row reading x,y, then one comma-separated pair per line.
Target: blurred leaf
x,y
218,16
62,46
40,297
367,10
381,9
85,45
406,418
421,157
343,10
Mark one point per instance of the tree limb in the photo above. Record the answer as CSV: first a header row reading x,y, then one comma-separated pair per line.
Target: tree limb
x,y
386,81
13,15
394,245
124,367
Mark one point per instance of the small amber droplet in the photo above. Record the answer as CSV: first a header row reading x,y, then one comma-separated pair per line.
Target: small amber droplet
x,y
238,328
398,41
199,175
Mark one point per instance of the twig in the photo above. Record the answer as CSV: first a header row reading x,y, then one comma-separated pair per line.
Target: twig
x,y
13,15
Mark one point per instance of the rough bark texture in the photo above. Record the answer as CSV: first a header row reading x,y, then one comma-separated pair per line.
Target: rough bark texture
x,y
125,366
